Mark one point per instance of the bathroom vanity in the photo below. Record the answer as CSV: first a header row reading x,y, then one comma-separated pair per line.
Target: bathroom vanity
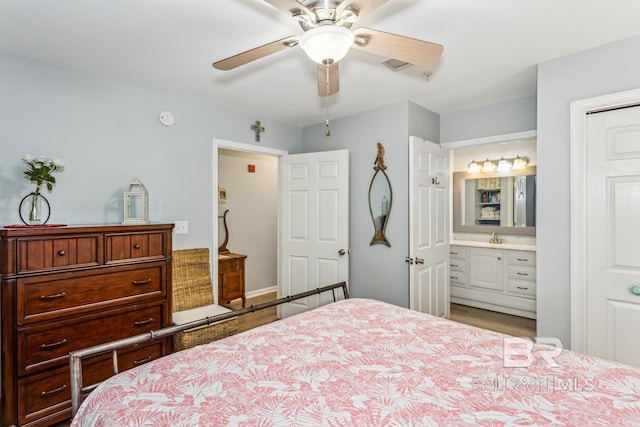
x,y
498,277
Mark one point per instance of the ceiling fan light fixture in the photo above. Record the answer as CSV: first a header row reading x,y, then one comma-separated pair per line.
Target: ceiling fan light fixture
x,y
326,44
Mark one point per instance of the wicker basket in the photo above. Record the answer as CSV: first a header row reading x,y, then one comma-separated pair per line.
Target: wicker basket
x,y
192,288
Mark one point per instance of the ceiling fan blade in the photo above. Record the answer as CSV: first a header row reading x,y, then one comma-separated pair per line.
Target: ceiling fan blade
x,y
328,75
291,7
255,53
364,7
413,51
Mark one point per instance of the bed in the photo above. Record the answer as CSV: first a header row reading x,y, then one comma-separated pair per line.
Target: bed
x,y
367,363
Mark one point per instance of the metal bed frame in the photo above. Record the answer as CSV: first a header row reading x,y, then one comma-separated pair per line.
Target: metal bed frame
x,y
76,357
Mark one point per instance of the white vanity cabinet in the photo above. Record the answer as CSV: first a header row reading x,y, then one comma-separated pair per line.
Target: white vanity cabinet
x,y
502,280
485,268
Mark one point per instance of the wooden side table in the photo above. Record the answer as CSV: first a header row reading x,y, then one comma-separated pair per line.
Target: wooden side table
x,y
231,278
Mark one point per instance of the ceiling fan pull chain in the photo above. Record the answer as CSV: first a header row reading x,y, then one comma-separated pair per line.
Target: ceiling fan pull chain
x,y
328,131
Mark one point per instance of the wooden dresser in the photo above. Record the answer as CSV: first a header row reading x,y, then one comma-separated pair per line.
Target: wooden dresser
x,y
67,288
230,278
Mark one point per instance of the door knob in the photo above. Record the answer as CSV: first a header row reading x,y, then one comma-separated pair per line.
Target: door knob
x,y
408,260
419,260
635,290
341,252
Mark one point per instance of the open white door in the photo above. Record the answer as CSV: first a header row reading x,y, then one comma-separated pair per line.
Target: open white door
x,y
314,227
429,232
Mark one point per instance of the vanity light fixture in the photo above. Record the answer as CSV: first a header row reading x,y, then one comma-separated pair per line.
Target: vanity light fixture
x,y
473,167
488,166
519,163
504,165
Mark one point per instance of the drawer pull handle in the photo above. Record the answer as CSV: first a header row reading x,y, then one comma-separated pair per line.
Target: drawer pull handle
x,y
634,290
53,345
50,392
453,265
143,322
142,282
54,296
454,277
523,259
142,361
522,274
453,253
136,246
62,253
522,288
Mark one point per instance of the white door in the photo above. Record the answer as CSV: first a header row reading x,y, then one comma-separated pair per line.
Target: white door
x,y
314,226
612,213
429,232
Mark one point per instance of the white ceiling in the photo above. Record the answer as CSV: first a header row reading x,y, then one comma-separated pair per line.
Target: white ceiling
x,y
491,48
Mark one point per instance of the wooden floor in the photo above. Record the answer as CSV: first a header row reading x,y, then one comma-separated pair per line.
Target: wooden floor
x,y
494,321
262,317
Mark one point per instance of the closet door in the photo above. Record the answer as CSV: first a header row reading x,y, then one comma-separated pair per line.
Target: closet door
x,y
612,253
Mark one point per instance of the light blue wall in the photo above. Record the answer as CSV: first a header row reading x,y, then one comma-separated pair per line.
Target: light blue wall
x,y
108,132
377,271
497,119
603,70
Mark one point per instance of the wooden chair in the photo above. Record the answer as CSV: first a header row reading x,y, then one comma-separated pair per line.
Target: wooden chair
x,y
193,299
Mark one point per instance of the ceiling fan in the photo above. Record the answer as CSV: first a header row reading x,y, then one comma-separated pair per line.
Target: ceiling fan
x,y
328,36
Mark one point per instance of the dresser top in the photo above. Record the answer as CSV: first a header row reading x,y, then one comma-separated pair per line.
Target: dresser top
x,y
10,231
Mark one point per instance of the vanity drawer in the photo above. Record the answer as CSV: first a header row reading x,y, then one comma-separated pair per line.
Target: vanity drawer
x,y
457,265
522,258
522,273
48,345
50,392
58,253
457,252
50,297
522,287
458,277
131,246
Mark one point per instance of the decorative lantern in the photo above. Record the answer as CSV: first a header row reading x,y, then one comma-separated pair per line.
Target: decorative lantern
x,y
136,203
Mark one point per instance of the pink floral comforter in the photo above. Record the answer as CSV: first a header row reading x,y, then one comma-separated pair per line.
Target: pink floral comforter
x,y
366,363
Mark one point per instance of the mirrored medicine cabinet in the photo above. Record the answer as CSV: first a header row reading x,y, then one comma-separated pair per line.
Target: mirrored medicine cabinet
x,y
500,202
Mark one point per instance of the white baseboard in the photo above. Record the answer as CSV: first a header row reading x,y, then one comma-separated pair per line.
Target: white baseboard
x,y
261,291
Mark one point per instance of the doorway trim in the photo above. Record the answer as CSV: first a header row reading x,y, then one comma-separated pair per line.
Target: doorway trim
x,y
577,152
247,148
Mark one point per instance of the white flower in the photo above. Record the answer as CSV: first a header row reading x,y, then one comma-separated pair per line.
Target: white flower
x,y
58,164
28,158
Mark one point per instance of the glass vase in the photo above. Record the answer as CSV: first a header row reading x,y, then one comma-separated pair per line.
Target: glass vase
x,y
34,209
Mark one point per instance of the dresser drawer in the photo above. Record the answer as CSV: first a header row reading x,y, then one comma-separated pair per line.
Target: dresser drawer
x,y
131,246
52,297
45,346
230,265
49,392
522,258
36,254
522,273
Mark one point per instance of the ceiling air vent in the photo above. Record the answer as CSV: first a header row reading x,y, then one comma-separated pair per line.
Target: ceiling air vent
x,y
396,64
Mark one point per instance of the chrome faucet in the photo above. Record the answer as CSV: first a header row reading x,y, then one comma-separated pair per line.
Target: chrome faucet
x,y
495,239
